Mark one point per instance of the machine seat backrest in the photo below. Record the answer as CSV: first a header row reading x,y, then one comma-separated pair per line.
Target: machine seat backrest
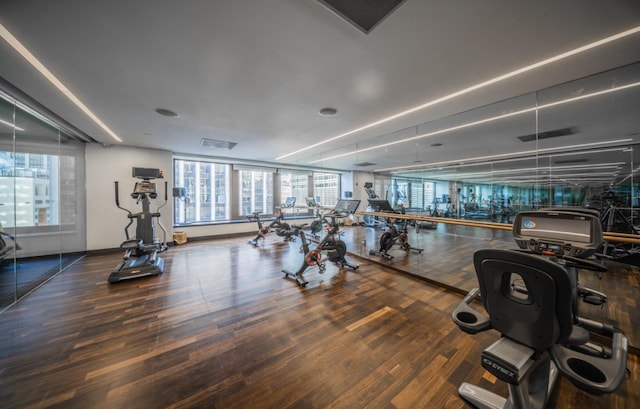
x,y
528,298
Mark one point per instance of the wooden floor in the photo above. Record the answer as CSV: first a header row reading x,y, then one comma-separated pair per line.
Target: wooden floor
x,y
222,328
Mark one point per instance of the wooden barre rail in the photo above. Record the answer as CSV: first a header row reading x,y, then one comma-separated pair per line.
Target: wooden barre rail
x,y
612,237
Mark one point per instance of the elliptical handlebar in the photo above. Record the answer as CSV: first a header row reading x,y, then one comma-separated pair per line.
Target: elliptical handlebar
x,y
164,231
129,213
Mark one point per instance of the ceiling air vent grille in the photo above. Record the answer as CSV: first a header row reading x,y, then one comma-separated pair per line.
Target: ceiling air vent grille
x,y
216,144
363,164
548,134
364,14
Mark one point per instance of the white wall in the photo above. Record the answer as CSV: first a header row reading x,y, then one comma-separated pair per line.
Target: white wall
x,y
105,222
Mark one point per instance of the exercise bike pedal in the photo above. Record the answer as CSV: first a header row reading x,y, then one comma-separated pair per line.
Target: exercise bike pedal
x,y
594,300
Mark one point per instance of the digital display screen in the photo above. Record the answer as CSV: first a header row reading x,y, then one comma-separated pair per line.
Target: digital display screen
x,y
576,229
144,187
347,206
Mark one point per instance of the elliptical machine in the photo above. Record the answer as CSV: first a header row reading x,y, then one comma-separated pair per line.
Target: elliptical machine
x,y
531,299
141,253
331,243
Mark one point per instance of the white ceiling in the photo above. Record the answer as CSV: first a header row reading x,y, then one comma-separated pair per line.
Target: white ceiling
x,y
256,72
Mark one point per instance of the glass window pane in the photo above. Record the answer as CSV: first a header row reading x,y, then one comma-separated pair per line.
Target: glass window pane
x,y
205,187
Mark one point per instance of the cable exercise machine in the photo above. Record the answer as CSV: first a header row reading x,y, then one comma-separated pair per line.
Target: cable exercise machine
x,y
394,234
141,253
330,243
531,297
278,224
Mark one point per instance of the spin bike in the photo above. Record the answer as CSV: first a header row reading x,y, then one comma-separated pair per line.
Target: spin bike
x,y
393,235
6,249
331,243
145,247
281,228
317,223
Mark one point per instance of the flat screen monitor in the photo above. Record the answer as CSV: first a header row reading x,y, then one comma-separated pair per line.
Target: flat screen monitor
x,y
381,205
289,202
348,206
311,202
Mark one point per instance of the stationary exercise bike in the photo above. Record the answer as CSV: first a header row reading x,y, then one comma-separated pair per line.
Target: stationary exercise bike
x,y
317,223
531,298
278,224
7,248
393,234
331,244
141,253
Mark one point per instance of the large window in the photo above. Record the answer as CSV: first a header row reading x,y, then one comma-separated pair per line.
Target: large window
x,y
256,192
326,186
294,184
28,189
206,191
214,192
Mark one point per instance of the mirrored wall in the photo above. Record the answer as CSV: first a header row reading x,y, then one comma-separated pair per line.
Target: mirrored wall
x,y
572,145
42,199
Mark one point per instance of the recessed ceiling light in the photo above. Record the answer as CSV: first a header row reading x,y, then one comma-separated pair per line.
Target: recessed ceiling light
x,y
328,111
166,112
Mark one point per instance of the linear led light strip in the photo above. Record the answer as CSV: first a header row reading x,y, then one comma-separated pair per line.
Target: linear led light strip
x,y
521,153
17,128
23,51
553,171
474,87
482,121
455,163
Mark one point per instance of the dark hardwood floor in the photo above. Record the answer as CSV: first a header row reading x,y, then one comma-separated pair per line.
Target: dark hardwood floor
x,y
223,328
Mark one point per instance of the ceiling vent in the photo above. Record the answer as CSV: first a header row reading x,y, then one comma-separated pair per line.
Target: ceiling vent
x,y
363,164
548,134
364,14
215,144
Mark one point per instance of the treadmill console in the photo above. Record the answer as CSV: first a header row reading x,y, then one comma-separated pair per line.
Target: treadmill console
x,y
558,233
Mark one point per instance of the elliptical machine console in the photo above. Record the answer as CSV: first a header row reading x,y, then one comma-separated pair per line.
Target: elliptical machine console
x,y
141,253
558,233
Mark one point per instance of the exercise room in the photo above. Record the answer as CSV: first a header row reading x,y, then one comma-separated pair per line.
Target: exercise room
x,y
319,204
